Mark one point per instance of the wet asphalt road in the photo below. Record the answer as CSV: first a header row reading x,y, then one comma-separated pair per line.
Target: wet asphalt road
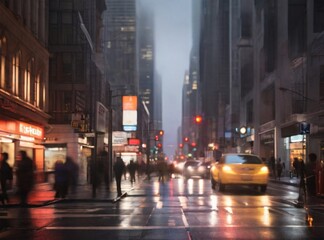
x,y
177,209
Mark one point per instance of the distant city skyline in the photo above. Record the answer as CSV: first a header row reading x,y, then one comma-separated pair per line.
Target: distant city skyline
x,y
173,40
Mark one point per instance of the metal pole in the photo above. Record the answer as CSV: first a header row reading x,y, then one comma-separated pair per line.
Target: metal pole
x,y
148,151
110,148
94,168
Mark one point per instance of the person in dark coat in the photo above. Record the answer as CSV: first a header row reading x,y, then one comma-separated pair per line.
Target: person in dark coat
x,y
272,163
119,168
25,176
296,165
5,175
280,168
61,179
310,172
132,167
72,169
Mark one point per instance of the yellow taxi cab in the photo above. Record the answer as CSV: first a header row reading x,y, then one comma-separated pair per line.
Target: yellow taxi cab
x,y
239,169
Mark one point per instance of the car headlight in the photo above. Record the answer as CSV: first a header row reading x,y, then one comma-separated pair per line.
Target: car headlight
x,y
226,169
264,169
190,168
201,169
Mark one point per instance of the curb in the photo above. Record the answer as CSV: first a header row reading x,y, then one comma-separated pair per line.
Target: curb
x,y
66,200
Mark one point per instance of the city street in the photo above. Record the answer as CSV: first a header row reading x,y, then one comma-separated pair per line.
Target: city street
x,y
176,209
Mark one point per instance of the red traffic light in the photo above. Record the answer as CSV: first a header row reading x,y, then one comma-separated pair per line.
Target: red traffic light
x,y
198,119
193,144
186,139
156,138
180,145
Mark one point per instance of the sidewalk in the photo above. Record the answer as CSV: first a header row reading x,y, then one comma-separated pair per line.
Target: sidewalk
x,y
286,180
43,194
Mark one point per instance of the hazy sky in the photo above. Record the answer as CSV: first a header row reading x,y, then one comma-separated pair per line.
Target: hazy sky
x,y
172,44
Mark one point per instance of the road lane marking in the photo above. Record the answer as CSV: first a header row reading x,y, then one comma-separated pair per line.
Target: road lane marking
x,y
86,228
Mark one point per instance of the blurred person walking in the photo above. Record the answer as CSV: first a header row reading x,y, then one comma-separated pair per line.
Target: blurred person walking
x,y
162,170
132,170
119,168
72,170
272,163
25,176
310,172
280,168
6,175
296,165
61,179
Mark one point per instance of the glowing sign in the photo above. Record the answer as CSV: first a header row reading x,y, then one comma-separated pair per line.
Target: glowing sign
x,y
30,130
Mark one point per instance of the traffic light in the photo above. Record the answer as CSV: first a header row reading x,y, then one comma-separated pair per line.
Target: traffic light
x,y
156,138
180,145
198,119
161,132
186,139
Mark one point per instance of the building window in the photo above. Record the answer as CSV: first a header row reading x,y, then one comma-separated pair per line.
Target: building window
x,y
37,91
3,50
15,73
27,81
43,95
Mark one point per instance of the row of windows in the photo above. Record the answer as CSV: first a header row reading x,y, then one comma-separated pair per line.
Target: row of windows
x,y
19,78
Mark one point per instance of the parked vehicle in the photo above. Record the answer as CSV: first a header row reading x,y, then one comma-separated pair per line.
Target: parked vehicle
x,y
239,169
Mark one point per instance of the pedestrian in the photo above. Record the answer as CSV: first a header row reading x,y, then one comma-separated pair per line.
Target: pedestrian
x,y
72,169
25,176
310,171
162,170
119,168
61,179
279,168
132,170
272,163
6,176
296,164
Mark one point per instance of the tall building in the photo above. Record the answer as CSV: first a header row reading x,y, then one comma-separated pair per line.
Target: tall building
x,y
214,71
24,80
280,43
145,69
191,90
120,57
78,98
145,56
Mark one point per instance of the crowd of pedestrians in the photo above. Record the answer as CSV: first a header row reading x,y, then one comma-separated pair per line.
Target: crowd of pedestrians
x,y
66,174
307,172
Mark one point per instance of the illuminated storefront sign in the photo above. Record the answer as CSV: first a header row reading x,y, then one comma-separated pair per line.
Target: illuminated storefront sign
x,y
21,128
30,130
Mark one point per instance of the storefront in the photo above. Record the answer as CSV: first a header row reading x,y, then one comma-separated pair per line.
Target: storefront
x,y
16,136
61,142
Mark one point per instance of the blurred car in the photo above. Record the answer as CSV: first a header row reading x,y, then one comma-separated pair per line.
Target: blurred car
x,y
207,166
239,169
177,167
194,168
